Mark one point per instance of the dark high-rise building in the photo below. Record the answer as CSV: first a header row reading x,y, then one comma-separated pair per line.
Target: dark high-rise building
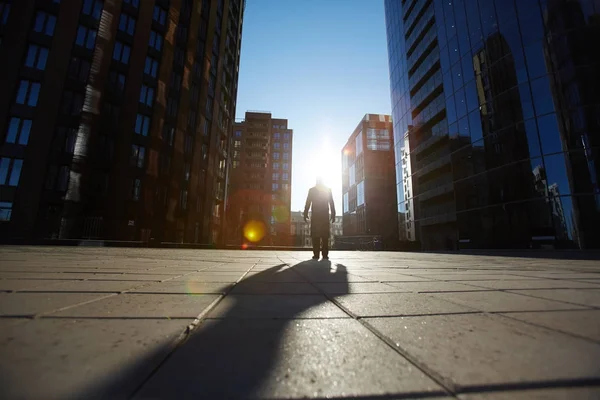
x,y
259,192
116,116
496,129
369,180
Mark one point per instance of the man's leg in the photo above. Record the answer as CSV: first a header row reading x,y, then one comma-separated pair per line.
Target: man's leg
x,y
325,240
316,245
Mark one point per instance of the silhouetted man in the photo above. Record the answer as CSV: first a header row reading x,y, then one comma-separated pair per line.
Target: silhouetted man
x,y
321,199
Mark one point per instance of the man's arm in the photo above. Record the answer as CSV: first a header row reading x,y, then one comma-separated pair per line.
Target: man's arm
x,y
331,206
307,205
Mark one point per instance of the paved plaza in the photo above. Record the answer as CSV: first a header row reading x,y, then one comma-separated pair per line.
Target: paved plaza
x,y
83,322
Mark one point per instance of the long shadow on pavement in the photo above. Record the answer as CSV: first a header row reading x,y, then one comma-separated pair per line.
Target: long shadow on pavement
x,y
232,354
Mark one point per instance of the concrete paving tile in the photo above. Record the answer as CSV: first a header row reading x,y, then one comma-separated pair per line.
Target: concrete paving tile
x,y
433,286
132,305
584,393
28,304
460,276
191,287
44,275
495,301
246,287
397,278
287,275
586,297
357,287
285,359
478,349
276,306
581,322
27,284
93,286
66,358
380,304
532,284
207,278
131,277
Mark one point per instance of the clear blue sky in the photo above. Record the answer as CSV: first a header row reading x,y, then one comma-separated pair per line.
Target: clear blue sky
x,y
322,64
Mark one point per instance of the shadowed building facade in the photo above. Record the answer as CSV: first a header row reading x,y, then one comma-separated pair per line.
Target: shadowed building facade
x,y
259,201
496,134
368,181
115,117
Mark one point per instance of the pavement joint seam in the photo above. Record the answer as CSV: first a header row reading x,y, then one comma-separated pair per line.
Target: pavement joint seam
x,y
547,328
183,336
39,315
446,385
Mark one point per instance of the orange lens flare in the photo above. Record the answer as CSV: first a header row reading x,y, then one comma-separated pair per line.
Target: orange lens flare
x,y
254,231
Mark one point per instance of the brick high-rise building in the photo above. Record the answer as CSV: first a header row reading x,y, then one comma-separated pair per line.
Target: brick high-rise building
x,y
115,117
260,181
369,181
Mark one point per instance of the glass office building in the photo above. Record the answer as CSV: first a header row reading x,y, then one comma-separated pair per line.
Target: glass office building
x,y
496,108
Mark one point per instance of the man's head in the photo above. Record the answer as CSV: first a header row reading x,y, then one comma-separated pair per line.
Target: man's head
x,y
320,181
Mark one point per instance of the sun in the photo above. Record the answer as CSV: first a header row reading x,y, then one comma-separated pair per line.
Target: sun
x,y
326,165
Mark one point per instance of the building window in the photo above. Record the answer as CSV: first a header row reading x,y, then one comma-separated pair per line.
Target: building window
x,y
183,195
147,95
44,23
275,165
276,135
275,186
206,127
238,133
136,189
360,193
275,176
151,67
127,24
286,136
28,93
121,52
137,155
346,208
189,144
92,8
286,156
286,146
36,57
4,13
172,107
236,164
10,171
116,81
133,3
79,69
359,143
142,125
286,176
352,175
5,207
286,166
160,15
276,146
156,40
72,103
18,131
187,169
86,37
285,186
65,139
275,156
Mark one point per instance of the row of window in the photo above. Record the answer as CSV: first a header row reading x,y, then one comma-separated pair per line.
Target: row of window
x,y
286,156
286,166
285,176
277,146
277,135
10,171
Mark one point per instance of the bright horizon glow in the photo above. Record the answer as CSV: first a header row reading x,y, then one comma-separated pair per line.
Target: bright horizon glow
x,y
322,65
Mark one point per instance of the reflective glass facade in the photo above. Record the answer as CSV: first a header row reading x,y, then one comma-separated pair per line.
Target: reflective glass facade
x,y
496,108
